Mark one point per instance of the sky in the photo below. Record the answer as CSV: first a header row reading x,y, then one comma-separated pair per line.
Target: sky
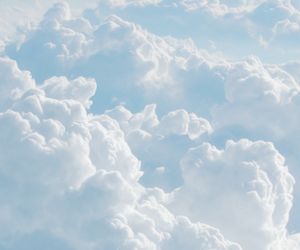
x,y
149,125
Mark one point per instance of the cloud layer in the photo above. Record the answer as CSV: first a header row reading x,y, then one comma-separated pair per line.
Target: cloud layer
x,y
116,135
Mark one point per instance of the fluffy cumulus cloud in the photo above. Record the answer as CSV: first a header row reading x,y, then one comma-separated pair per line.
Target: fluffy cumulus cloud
x,y
157,68
266,26
13,82
116,133
153,139
69,177
257,187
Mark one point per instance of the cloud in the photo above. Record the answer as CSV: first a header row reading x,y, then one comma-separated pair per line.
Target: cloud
x,y
265,26
13,82
88,170
125,3
153,138
247,181
187,234
260,98
95,180
68,178
173,73
80,89
156,67
270,81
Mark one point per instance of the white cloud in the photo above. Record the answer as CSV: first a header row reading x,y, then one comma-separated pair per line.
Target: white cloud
x,y
80,89
69,178
152,139
251,80
245,190
173,73
182,123
157,68
260,98
197,236
13,82
125,3
100,181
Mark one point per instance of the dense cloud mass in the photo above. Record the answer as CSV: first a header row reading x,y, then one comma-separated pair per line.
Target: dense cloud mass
x,y
257,185
120,133
75,179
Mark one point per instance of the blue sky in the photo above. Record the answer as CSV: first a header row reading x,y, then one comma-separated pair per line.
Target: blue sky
x,y
150,124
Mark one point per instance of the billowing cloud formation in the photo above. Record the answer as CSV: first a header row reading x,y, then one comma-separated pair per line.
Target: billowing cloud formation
x,y
268,27
77,47
79,172
153,140
248,185
266,88
82,46
170,72
75,179
13,82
